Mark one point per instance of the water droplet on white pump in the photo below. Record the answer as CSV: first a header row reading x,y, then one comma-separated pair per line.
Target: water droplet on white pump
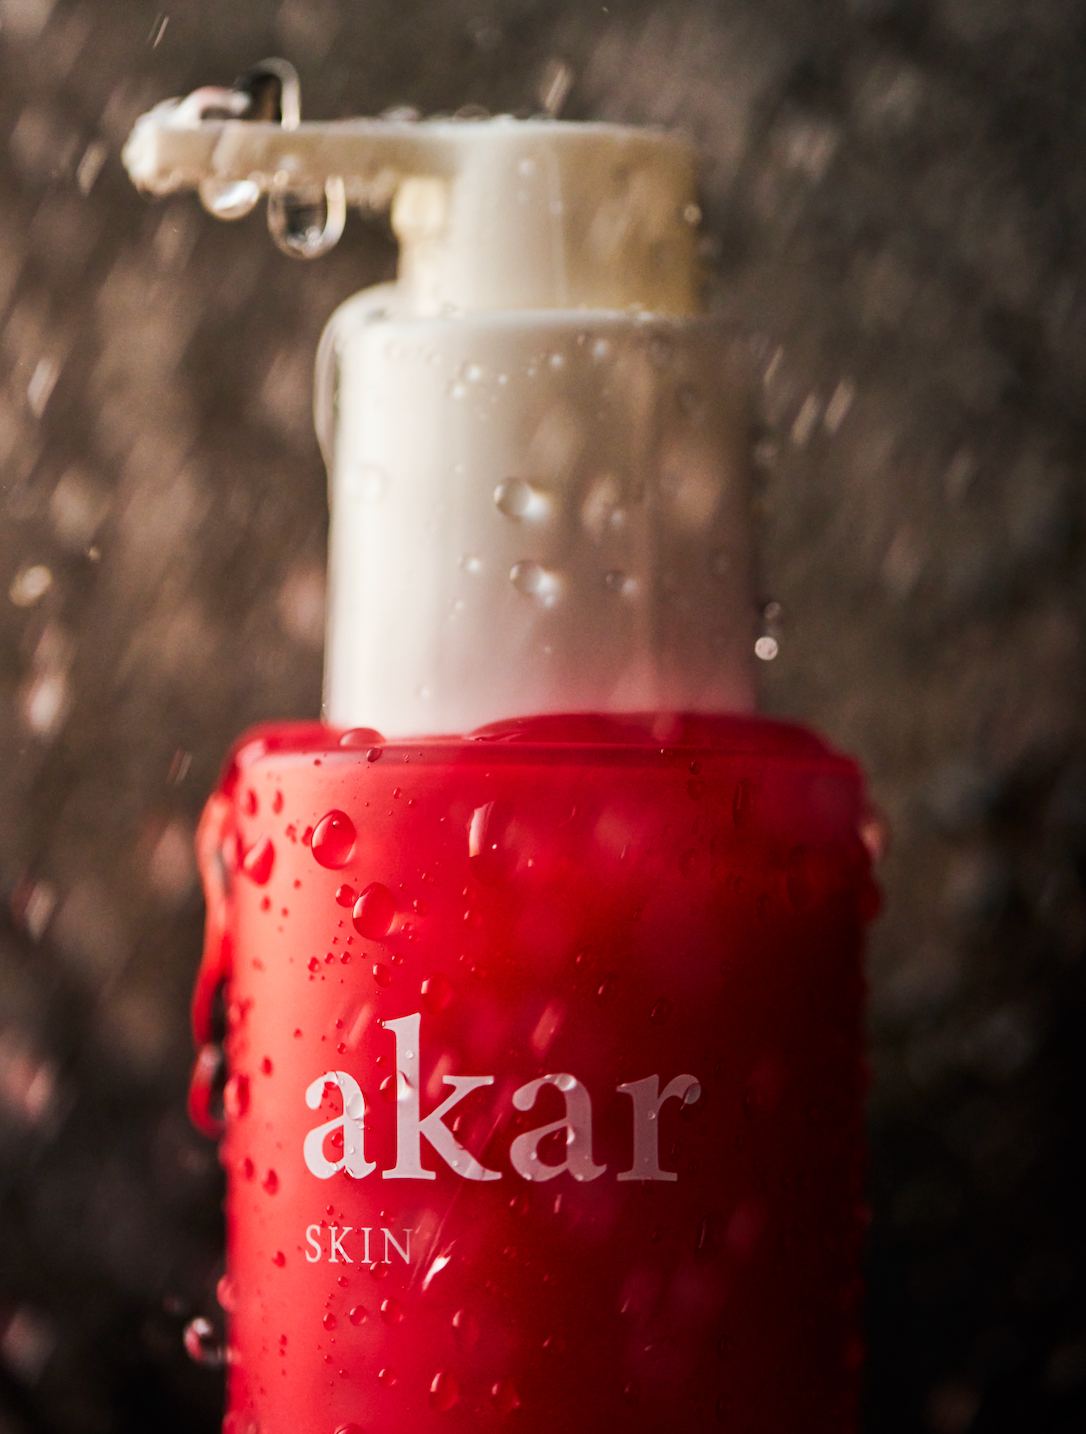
x,y
229,198
518,499
620,582
534,580
307,226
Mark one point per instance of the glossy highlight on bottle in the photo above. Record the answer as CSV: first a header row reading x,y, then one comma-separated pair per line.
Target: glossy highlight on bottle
x,y
574,1139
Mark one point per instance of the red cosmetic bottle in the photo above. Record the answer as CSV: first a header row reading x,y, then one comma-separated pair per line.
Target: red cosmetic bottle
x,y
543,1040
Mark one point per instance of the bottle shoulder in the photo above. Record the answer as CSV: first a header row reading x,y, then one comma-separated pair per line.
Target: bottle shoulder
x,y
638,739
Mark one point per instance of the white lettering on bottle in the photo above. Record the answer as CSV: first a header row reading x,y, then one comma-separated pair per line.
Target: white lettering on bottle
x,y
647,1102
410,1128
313,1238
404,1251
335,1244
352,1123
524,1151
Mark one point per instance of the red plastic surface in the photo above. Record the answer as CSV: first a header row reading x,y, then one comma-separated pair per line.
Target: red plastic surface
x,y
594,900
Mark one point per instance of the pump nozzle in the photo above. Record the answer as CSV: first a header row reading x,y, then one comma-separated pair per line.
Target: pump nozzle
x,y
490,214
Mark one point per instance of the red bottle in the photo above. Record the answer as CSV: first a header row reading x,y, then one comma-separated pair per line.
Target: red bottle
x,y
544,1042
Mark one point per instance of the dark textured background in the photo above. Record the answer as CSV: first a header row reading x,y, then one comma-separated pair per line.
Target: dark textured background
x,y
895,210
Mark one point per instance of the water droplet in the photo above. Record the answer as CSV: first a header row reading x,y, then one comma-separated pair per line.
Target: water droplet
x,y
357,1314
631,1392
329,1320
436,993
361,737
236,1096
518,499
381,974
693,1094
314,963
742,804
258,861
607,989
766,648
619,582
391,1311
470,563
387,1377
270,1182
203,1345
689,863
465,1328
444,1391
225,1293
387,1090
350,1429
229,198
307,226
534,580
333,840
277,803
661,1012
504,1395
345,895
374,911
248,1169
249,804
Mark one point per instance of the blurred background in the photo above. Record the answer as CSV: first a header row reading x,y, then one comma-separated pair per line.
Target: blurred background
x,y
895,214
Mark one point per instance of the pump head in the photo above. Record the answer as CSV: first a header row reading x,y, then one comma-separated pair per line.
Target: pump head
x,y
490,213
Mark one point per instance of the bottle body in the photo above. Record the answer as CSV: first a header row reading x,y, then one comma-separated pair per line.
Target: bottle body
x,y
545,1076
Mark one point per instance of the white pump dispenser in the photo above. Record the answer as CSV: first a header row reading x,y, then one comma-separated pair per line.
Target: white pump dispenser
x,y
537,450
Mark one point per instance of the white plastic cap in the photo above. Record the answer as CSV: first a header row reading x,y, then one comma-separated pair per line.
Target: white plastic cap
x,y
490,214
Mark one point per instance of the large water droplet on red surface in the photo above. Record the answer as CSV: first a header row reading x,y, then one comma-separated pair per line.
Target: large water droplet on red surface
x,y
466,1328
504,1395
258,861
373,911
444,1391
436,993
333,840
